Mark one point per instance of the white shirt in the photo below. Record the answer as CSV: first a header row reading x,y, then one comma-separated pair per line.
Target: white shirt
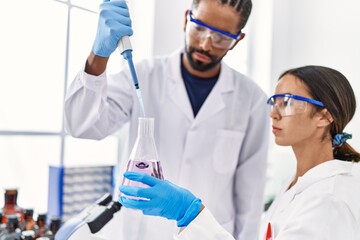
x,y
220,155
324,204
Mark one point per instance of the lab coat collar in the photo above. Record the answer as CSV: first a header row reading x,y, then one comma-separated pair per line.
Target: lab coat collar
x,y
214,102
312,176
322,171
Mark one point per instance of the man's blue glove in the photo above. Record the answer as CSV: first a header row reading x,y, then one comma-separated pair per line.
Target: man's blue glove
x,y
114,23
165,199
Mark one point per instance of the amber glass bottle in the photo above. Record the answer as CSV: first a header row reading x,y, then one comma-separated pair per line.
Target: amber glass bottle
x,y
10,205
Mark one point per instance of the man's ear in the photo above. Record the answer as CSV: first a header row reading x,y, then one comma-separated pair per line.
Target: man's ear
x,y
240,38
186,19
325,118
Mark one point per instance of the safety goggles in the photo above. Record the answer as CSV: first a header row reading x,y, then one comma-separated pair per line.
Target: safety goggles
x,y
219,38
288,104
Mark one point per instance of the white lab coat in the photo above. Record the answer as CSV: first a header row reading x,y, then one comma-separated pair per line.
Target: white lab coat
x,y
220,155
205,227
324,204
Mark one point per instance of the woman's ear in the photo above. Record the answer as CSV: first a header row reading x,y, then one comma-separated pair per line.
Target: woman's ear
x,y
325,118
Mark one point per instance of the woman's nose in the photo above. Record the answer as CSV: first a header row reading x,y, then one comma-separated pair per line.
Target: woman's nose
x,y
274,113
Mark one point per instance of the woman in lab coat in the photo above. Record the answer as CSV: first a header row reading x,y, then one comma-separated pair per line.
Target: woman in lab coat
x,y
310,109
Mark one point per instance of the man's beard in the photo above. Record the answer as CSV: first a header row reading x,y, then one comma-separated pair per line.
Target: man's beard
x,y
198,65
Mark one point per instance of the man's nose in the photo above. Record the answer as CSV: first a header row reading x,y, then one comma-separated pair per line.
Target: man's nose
x,y
206,42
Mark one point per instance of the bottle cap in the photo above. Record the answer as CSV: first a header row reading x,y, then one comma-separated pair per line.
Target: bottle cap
x,y
11,191
29,212
41,217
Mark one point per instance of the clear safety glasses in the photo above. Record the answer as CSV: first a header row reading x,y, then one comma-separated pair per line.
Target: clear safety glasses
x,y
288,104
219,38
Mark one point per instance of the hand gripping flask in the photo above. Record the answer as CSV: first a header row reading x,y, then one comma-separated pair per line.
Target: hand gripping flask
x,y
143,157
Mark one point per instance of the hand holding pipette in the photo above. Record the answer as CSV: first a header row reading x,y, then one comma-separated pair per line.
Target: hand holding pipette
x,y
114,23
114,29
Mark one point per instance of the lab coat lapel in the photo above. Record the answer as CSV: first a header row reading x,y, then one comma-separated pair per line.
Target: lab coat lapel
x,y
177,91
214,103
283,199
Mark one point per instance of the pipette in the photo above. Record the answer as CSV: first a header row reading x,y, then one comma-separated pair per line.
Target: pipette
x,y
125,49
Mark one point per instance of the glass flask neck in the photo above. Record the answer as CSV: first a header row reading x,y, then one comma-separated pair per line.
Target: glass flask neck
x,y
146,127
144,147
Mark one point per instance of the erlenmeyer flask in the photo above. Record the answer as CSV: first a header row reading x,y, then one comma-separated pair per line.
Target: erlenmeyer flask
x,y
143,157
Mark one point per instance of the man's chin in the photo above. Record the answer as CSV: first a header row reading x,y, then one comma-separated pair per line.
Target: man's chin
x,y
200,66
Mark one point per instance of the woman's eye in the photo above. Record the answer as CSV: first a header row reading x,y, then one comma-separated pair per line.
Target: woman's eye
x,y
285,103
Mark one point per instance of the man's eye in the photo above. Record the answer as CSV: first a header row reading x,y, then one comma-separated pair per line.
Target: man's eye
x,y
216,38
200,28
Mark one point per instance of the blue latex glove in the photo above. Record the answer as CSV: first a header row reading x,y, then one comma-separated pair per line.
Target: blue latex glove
x,y
165,199
114,23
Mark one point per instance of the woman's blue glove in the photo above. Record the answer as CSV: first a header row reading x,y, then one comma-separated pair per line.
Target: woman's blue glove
x,y
165,199
114,23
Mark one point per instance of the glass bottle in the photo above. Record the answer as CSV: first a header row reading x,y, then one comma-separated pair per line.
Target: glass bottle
x,y
12,228
29,222
10,206
55,225
41,223
2,225
143,157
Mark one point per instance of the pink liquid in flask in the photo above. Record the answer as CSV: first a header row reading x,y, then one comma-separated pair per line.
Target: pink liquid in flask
x,y
150,167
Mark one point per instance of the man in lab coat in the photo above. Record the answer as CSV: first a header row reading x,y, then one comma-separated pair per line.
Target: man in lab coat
x,y
211,124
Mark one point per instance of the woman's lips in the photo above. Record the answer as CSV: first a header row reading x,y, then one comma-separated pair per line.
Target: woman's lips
x,y
275,129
